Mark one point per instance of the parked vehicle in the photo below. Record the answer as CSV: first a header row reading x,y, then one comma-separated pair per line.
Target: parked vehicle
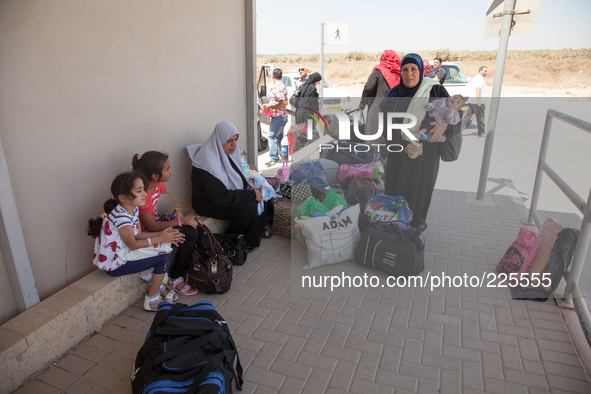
x,y
455,80
333,98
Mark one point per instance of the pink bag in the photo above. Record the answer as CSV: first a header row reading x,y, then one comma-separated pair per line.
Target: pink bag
x,y
367,171
283,172
520,254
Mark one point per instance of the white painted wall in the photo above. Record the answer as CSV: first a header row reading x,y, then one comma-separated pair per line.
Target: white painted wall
x,y
86,84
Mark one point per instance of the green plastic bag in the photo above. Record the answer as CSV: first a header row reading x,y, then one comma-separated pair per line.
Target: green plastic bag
x,y
304,210
334,199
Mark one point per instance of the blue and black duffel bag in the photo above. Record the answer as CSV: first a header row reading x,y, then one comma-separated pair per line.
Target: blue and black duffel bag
x,y
189,349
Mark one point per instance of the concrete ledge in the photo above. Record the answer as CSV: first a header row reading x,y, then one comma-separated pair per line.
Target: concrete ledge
x,y
33,340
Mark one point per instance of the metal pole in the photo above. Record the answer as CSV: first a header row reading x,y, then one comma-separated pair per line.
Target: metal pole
x,y
580,251
496,96
321,56
540,172
12,243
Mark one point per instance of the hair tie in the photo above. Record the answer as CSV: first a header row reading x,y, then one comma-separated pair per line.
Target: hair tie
x,y
138,156
113,198
104,216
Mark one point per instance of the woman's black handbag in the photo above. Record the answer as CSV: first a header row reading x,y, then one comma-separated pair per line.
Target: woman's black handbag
x,y
210,270
235,247
450,148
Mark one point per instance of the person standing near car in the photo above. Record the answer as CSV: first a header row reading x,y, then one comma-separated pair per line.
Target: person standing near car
x,y
475,106
277,103
437,72
303,70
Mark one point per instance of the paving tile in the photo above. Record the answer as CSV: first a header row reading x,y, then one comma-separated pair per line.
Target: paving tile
x,y
80,386
75,364
419,371
450,382
452,335
337,318
316,361
36,387
569,384
251,309
104,377
406,332
99,390
412,351
292,349
90,353
342,376
385,339
341,353
461,353
498,338
104,343
316,324
264,378
364,346
249,325
427,387
270,336
500,387
292,385
367,367
316,341
251,344
472,375
526,379
57,377
291,370
362,327
391,379
482,346
266,356
317,382
363,387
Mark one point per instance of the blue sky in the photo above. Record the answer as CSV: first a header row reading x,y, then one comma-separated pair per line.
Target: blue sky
x,y
376,25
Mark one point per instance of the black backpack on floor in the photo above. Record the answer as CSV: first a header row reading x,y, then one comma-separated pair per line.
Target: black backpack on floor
x,y
189,349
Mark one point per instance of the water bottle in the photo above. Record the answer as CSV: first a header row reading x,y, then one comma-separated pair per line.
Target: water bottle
x,y
284,146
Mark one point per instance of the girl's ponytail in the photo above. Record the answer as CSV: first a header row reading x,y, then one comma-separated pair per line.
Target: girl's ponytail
x,y
135,162
94,225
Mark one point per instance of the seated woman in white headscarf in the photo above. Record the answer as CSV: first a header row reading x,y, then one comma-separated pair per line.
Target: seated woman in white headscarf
x,y
220,189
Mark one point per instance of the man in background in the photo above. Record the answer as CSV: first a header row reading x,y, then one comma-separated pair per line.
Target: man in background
x,y
303,70
278,102
475,105
437,72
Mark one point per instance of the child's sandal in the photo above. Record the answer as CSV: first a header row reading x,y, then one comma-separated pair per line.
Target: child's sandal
x,y
149,300
171,295
187,290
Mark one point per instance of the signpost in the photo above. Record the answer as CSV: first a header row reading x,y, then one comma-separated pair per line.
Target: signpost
x,y
510,24
338,34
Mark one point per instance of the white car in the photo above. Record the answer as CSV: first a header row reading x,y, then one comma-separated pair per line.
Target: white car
x,y
332,98
455,80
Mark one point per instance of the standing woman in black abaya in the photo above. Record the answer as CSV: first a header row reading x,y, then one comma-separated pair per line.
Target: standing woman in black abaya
x,y
414,179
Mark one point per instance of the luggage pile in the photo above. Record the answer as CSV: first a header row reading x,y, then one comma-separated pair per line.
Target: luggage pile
x,y
339,212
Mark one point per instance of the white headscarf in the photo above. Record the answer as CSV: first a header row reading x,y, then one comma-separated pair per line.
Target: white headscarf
x,y
211,157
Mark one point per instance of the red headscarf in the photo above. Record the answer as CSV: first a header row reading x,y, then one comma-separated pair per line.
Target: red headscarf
x,y
390,67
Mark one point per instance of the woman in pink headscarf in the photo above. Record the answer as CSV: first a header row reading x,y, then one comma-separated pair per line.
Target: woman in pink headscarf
x,y
385,75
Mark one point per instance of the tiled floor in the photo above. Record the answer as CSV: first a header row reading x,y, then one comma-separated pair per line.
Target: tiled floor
x,y
377,340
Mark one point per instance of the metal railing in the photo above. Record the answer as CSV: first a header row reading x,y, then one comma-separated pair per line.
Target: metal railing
x,y
574,274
